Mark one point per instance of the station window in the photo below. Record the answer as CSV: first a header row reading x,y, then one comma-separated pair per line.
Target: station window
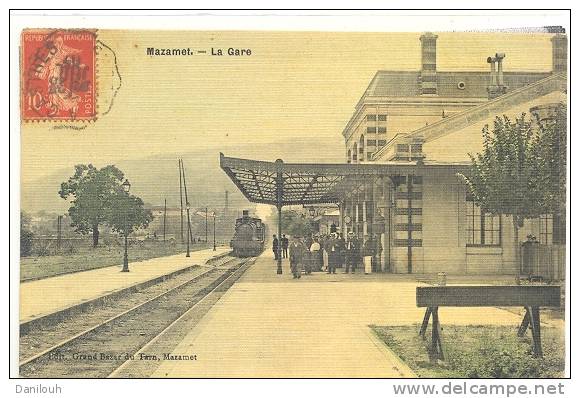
x,y
371,117
402,148
371,130
382,118
559,231
372,142
382,130
369,155
482,229
382,142
416,148
546,229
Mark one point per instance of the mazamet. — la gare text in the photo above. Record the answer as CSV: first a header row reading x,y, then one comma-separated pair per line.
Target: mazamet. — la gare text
x,y
177,52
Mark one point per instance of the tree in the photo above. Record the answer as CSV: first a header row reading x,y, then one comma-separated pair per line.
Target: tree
x,y
26,235
126,213
295,224
91,190
553,159
506,177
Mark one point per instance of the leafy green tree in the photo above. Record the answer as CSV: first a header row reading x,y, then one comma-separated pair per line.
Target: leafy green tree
x,y
522,169
505,178
26,235
294,223
552,154
127,213
91,190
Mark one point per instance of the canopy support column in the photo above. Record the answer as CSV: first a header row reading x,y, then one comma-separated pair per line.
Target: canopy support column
x,y
279,197
365,226
342,210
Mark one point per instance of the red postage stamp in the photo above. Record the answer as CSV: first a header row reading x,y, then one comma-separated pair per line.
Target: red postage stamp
x,y
58,69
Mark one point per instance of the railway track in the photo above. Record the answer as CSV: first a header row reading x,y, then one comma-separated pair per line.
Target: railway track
x,y
90,346
48,333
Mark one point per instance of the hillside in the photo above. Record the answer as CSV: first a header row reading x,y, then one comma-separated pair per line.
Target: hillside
x,y
156,177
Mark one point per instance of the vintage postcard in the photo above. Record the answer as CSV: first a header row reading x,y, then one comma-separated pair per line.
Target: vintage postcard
x,y
293,204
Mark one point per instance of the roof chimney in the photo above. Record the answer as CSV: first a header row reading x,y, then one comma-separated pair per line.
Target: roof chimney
x,y
496,83
560,53
492,72
499,58
428,64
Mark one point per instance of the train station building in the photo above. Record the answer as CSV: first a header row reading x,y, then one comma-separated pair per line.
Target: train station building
x,y
409,136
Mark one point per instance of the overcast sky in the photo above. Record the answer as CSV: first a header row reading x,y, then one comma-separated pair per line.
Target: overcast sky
x,y
295,85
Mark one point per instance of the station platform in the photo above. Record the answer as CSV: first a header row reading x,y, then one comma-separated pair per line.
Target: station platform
x,y
46,296
269,325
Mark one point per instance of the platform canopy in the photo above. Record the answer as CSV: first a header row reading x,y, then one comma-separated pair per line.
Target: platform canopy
x,y
282,184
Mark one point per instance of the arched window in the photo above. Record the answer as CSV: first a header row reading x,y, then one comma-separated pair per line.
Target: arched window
x,y
361,145
348,156
354,153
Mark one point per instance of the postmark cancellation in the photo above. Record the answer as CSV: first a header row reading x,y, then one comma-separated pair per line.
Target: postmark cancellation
x,y
58,75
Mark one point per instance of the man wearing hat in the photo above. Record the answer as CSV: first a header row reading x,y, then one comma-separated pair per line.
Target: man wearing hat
x,y
333,250
352,252
275,246
284,242
297,256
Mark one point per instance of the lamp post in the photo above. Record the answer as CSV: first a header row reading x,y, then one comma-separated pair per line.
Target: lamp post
x,y
188,229
214,247
126,187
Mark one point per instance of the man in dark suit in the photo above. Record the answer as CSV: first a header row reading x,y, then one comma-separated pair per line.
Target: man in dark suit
x,y
284,246
275,246
297,256
332,248
352,252
340,259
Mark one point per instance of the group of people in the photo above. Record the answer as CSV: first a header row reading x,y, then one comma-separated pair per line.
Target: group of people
x,y
328,252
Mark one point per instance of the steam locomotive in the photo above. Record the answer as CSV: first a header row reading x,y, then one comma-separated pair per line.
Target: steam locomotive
x,y
248,240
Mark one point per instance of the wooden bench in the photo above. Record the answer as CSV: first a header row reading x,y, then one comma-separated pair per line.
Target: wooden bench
x,y
529,297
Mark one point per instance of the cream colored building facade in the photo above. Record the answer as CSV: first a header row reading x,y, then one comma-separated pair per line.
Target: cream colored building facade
x,y
426,222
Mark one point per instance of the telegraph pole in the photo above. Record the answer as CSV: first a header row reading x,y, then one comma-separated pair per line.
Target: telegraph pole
x,y
181,199
164,219
187,208
59,232
191,233
214,247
